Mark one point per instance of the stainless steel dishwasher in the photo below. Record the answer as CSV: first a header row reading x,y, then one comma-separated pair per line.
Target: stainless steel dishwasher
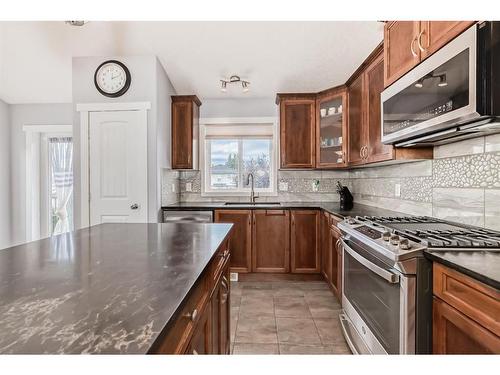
x,y
187,216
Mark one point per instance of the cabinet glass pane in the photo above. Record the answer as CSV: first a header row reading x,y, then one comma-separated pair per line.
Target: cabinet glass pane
x,y
330,131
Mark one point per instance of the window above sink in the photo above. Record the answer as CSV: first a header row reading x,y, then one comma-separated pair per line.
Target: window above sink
x,y
231,150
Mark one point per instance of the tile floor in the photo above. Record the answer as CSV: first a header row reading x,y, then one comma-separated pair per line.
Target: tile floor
x,y
285,317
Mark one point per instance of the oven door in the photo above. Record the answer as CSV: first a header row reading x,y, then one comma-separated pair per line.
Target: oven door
x,y
377,302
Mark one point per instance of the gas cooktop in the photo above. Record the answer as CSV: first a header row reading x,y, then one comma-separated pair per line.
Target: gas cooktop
x,y
435,233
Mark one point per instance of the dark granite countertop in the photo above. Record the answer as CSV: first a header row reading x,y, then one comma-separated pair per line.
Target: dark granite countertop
x,y
331,207
480,265
111,288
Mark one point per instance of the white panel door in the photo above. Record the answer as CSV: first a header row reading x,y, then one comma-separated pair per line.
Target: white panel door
x,y
118,167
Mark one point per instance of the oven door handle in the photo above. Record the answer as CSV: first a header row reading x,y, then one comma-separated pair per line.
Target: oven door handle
x,y
383,273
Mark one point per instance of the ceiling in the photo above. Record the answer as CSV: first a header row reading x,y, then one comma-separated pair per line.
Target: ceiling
x,y
35,57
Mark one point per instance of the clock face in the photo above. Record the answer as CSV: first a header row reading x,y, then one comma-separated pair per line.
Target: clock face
x,y
112,78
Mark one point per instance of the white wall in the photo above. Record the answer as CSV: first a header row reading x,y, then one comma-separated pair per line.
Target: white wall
x,y
5,181
149,84
20,115
264,107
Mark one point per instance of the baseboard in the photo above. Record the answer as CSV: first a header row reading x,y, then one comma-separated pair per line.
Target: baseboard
x,y
280,277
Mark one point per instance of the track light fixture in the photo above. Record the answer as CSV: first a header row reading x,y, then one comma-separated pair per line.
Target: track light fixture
x,y
245,85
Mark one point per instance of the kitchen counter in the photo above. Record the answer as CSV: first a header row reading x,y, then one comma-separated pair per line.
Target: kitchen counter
x,y
111,288
331,207
480,265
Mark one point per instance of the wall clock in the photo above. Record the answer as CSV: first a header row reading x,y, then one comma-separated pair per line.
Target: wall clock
x,y
112,78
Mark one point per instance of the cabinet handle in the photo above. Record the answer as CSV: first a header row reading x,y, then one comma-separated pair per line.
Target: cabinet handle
x,y
192,315
411,47
419,38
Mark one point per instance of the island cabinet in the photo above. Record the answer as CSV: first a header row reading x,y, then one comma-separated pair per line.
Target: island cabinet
x,y
202,323
271,241
465,314
364,119
185,115
241,237
304,241
407,43
297,130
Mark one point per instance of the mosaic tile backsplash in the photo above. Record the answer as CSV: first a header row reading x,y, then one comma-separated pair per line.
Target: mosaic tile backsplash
x,y
461,184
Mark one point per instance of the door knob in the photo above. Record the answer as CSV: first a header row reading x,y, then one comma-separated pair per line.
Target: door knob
x,y
135,206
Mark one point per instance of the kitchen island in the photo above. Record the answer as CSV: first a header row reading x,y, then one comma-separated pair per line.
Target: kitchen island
x,y
111,288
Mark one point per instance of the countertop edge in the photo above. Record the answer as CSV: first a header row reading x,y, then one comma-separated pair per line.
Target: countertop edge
x,y
433,256
164,331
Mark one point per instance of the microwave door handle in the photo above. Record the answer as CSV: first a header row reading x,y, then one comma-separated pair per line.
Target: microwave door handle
x,y
383,273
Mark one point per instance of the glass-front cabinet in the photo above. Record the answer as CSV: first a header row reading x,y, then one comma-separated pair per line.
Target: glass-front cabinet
x,y
331,129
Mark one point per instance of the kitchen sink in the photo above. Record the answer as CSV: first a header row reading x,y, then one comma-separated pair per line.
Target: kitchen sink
x,y
252,204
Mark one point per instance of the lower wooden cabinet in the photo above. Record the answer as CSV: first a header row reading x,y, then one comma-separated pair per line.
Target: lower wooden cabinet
x,y
304,241
331,253
336,260
202,324
455,333
241,237
271,241
326,250
465,314
201,341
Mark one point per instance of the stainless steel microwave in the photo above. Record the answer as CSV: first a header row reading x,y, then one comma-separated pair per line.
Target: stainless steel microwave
x,y
452,95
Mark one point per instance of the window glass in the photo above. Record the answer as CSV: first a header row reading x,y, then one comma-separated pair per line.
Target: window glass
x,y
257,160
224,171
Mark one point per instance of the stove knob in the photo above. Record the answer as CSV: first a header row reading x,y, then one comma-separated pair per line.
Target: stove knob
x,y
350,220
404,244
386,236
394,239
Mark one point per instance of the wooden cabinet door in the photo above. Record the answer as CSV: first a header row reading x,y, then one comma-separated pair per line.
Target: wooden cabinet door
x,y
331,129
297,133
240,241
201,341
455,333
326,252
435,34
271,241
356,129
401,52
304,241
336,260
182,134
225,317
374,78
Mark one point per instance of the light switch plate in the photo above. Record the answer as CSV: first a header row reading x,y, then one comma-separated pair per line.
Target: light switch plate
x,y
189,186
397,190
283,186
173,188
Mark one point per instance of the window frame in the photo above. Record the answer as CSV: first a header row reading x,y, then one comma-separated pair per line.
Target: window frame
x,y
238,129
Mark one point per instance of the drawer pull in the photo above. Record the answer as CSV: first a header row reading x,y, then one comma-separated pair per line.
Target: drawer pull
x,y
192,315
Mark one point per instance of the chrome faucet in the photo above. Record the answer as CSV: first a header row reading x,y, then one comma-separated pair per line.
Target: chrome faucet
x,y
252,192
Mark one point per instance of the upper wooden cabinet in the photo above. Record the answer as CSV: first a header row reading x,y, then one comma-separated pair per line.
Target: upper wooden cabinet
x,y
185,131
297,130
364,127
271,241
331,128
240,241
407,43
304,241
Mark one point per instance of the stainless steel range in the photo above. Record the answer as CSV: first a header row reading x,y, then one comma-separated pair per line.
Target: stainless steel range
x,y
387,282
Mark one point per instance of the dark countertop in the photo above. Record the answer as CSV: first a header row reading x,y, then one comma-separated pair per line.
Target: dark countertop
x,y
111,288
483,266
331,207
480,265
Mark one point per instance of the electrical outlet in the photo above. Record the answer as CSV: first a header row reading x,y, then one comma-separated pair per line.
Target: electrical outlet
x,y
233,276
283,186
315,185
397,190
189,186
